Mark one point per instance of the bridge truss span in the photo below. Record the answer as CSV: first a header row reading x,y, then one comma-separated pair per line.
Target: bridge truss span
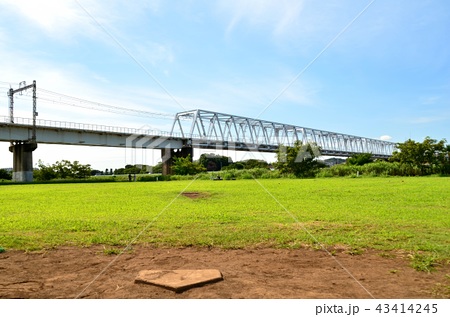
x,y
213,130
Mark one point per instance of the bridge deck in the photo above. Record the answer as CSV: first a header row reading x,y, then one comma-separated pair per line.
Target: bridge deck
x,y
70,133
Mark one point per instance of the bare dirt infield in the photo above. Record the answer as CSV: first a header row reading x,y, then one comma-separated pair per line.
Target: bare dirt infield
x,y
248,273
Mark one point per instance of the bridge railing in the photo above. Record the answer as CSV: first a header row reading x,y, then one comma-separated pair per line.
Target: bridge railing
x,y
86,127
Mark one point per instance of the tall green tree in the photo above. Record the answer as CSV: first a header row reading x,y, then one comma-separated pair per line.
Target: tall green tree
x,y
445,158
300,159
214,162
431,156
62,170
80,170
4,174
132,169
44,172
185,166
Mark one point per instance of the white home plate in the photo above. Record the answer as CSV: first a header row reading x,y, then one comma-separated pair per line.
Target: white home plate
x,y
178,280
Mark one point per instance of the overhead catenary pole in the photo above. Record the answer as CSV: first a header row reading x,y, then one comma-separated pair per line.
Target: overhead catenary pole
x,y
23,149
33,136
11,105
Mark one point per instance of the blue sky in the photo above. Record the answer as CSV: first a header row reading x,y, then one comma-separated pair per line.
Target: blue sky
x,y
385,74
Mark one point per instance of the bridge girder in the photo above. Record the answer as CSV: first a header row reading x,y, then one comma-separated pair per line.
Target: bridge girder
x,y
53,132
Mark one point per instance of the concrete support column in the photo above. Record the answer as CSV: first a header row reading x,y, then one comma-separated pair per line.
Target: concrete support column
x,y
168,155
22,161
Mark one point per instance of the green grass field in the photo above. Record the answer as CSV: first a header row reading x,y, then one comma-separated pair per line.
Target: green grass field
x,y
411,214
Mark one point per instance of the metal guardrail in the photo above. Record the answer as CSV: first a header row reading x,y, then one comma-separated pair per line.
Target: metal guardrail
x,y
86,127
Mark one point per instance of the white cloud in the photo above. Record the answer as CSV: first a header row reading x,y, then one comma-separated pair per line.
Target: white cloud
x,y
78,81
385,137
56,18
278,15
66,20
295,25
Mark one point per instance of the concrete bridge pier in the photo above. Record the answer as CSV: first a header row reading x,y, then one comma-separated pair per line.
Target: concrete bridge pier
x,y
168,155
22,161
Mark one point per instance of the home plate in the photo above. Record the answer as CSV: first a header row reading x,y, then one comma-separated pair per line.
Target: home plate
x,y
178,280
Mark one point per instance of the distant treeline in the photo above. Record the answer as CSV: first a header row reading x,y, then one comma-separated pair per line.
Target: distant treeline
x,y
430,157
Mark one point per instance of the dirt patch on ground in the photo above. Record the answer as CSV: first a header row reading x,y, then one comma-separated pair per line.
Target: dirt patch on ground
x,y
72,272
195,195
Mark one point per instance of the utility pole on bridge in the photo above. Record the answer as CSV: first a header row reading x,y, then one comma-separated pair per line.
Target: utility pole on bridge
x,y
22,149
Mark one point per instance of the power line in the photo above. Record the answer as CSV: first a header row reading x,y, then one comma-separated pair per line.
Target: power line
x,y
49,96
100,106
130,112
52,97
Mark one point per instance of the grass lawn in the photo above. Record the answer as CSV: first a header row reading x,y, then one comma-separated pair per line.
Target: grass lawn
x,y
411,214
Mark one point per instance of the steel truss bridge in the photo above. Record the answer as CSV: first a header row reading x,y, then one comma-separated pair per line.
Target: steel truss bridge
x,y
190,129
196,129
214,130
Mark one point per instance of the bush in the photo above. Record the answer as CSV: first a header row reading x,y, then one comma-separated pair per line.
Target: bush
x,y
325,172
342,170
4,174
380,168
360,159
246,175
204,176
230,174
153,178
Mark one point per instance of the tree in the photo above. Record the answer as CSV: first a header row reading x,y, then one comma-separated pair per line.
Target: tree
x,y
80,170
157,169
131,169
185,166
248,164
430,156
360,159
213,162
4,174
254,163
96,172
445,159
119,171
300,159
44,172
63,170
